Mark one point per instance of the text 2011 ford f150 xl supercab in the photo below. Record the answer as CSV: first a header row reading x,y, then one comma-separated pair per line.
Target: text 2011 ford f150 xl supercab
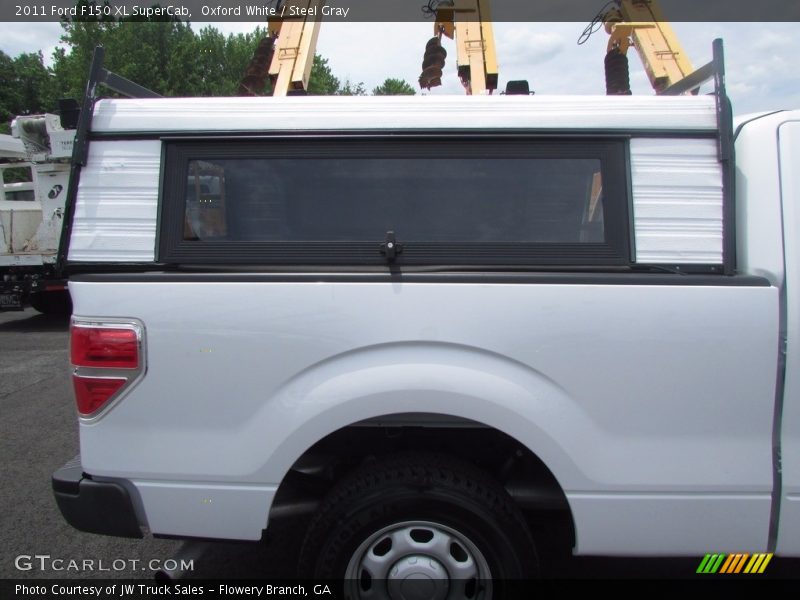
x,y
429,319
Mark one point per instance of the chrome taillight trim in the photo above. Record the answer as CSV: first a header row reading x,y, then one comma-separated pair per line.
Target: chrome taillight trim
x,y
132,376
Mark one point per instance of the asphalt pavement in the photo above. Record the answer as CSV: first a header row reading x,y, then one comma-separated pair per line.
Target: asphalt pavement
x,y
39,433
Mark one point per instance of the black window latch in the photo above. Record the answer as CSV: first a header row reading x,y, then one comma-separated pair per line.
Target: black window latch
x,y
390,248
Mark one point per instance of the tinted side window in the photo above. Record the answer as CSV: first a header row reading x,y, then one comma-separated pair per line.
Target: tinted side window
x,y
470,201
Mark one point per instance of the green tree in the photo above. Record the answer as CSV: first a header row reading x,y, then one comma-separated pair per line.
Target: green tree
x,y
26,86
159,53
36,84
166,56
239,50
71,66
322,82
9,93
350,89
394,87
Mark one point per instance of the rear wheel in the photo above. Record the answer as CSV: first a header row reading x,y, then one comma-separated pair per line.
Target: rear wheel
x,y
419,526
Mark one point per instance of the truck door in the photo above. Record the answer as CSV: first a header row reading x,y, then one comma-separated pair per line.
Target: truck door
x,y
789,525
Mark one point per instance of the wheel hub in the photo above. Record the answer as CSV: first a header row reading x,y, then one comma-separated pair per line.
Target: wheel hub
x,y
418,577
418,560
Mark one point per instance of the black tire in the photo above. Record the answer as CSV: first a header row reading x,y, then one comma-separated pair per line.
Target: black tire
x,y
52,303
413,488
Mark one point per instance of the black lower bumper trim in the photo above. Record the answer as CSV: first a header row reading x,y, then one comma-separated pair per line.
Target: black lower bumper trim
x,y
103,507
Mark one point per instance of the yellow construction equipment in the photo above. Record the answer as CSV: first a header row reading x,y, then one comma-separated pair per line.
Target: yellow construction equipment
x,y
468,22
641,23
295,47
286,55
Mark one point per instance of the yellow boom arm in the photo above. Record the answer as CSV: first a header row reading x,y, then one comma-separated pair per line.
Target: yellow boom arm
x,y
468,22
641,23
287,54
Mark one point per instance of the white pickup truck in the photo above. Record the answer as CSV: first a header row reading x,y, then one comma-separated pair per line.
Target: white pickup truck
x,y
427,319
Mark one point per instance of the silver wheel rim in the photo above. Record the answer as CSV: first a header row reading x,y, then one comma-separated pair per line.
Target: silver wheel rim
x,y
418,560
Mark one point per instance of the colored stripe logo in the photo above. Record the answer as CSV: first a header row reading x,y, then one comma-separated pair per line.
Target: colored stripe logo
x,y
734,563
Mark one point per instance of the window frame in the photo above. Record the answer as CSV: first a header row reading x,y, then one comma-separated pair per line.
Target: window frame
x,y
611,152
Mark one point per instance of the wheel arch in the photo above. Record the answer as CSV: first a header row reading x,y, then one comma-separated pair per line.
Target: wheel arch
x,y
422,382
525,476
453,390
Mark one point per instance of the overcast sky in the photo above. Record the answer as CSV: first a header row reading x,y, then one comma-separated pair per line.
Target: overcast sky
x,y
762,71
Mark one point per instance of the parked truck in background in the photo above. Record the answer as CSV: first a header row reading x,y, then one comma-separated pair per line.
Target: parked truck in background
x,y
426,321
32,212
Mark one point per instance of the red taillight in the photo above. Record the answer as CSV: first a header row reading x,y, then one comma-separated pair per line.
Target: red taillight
x,y
92,393
104,347
106,357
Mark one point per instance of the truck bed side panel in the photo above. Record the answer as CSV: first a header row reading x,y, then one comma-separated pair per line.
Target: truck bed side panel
x,y
647,402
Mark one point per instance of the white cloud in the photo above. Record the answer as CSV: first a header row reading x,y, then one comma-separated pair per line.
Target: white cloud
x,y
771,40
523,44
372,52
30,37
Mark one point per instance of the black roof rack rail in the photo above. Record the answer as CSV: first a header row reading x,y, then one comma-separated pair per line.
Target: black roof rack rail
x,y
716,70
99,75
